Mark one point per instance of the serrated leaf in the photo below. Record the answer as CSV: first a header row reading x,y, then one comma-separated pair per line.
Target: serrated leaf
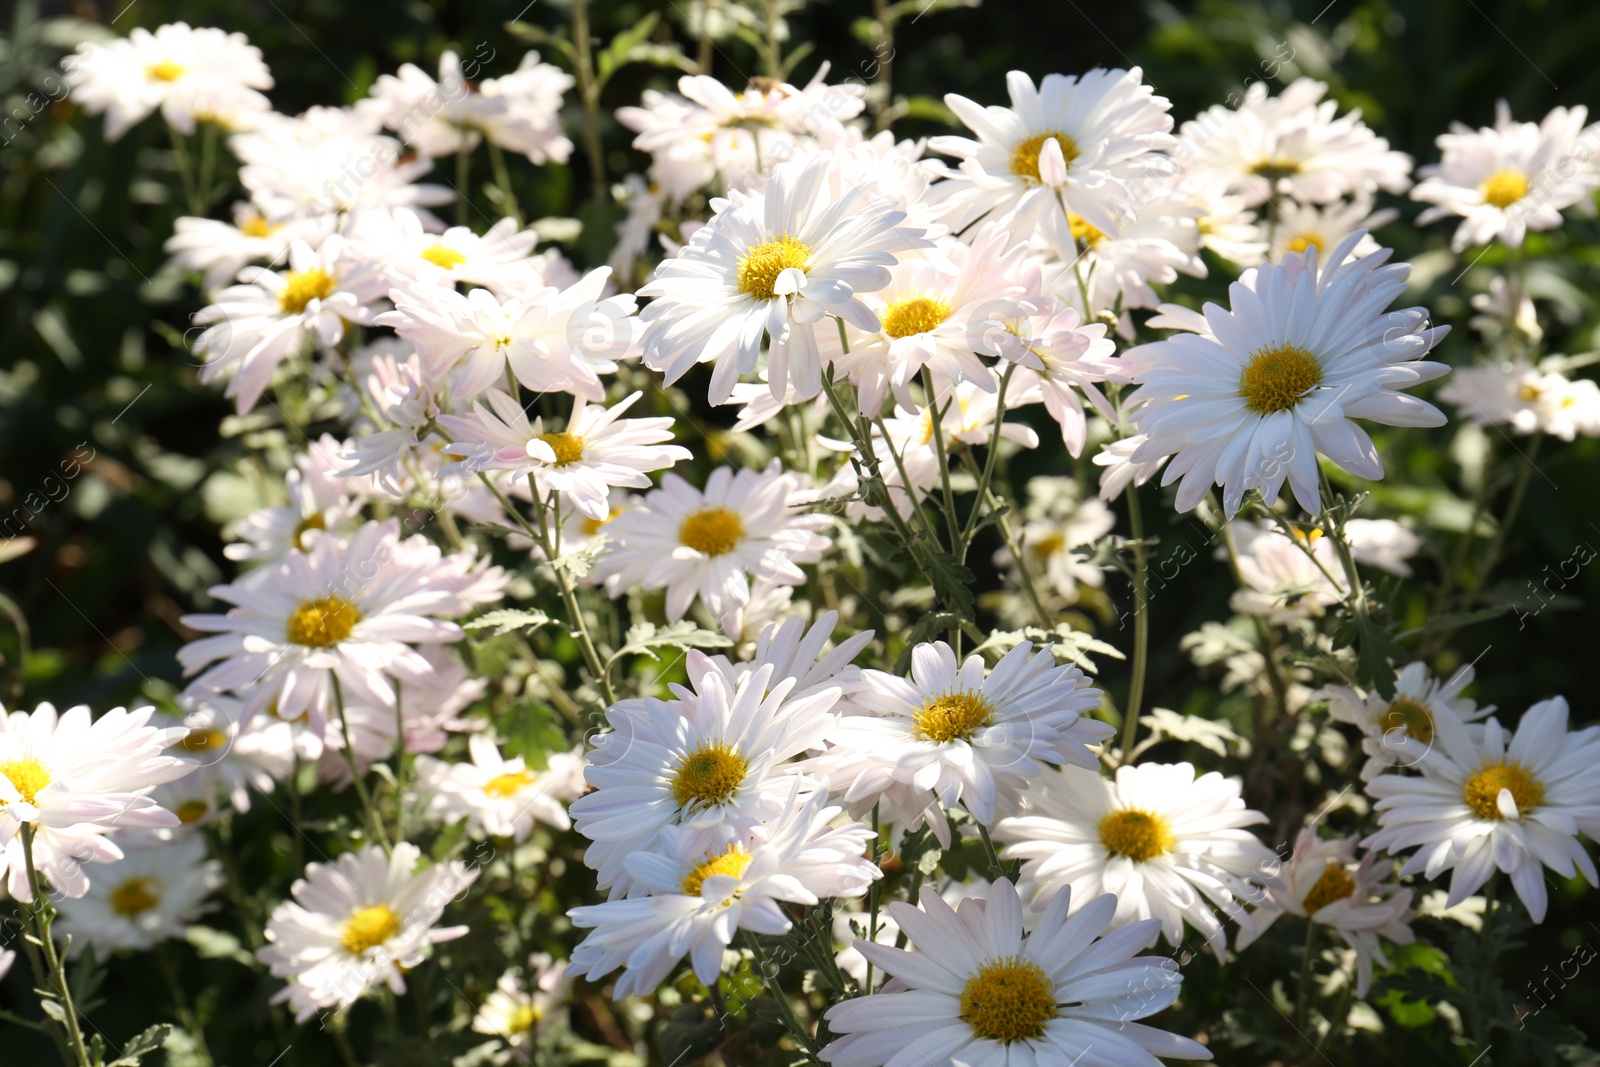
x,y
506,620
1207,733
645,637
622,46
142,1044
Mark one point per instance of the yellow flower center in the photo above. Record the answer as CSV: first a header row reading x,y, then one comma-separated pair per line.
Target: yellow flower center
x,y
732,862
714,531
1528,392
1302,241
1504,188
507,785
1008,999
917,315
1084,233
164,71
1138,835
1334,884
951,717
314,521
133,897
1408,715
191,811
28,775
369,927
567,447
523,1019
256,226
322,622
1481,790
1048,545
760,267
303,286
207,740
440,256
1278,377
1025,156
708,776
591,526
1273,169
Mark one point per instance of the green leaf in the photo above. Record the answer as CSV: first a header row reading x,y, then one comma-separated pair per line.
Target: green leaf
x,y
621,48
645,637
214,944
1454,620
508,619
141,1045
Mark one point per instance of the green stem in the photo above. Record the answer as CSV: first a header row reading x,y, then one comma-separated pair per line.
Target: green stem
x,y
374,823
180,1001
589,92
874,894
502,179
970,530
1014,545
791,1021
463,177
772,55
185,171
1497,543
42,912
1303,997
936,420
399,763
1141,623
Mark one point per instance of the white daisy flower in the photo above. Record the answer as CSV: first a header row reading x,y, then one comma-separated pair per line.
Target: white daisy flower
x,y
1515,804
220,249
1512,178
708,543
1120,470
150,895
75,781
401,246
1291,145
329,161
772,264
530,122
1298,575
704,884
956,734
1526,398
978,990
1056,525
188,74
321,499
1399,732
717,755
858,919
552,340
1325,883
239,760
1061,356
361,920
500,797
254,326
598,449
1297,227
939,312
1169,845
1250,396
519,1008
346,611
796,651
1494,309
1226,223
1078,145
1116,267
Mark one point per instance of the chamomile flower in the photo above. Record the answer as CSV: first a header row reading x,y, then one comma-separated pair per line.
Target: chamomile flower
x,y
362,920
1298,227
976,989
500,797
552,340
597,449
1169,845
772,264
1071,145
1526,398
1117,266
150,895
74,781
1298,574
187,74
519,1008
716,756
796,651
957,734
701,885
1062,357
1324,883
218,249
1399,731
398,243
272,315
708,543
321,499
338,611
1248,397
1516,804
1294,144
1514,177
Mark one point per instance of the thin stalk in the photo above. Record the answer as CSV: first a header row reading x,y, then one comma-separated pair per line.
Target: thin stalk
x,y
191,195
869,458
502,180
42,913
463,177
1141,622
373,821
791,1021
1497,543
708,11
399,763
772,54
883,56
208,161
180,1001
1264,636
1302,998
936,419
874,894
970,530
1014,545
589,92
